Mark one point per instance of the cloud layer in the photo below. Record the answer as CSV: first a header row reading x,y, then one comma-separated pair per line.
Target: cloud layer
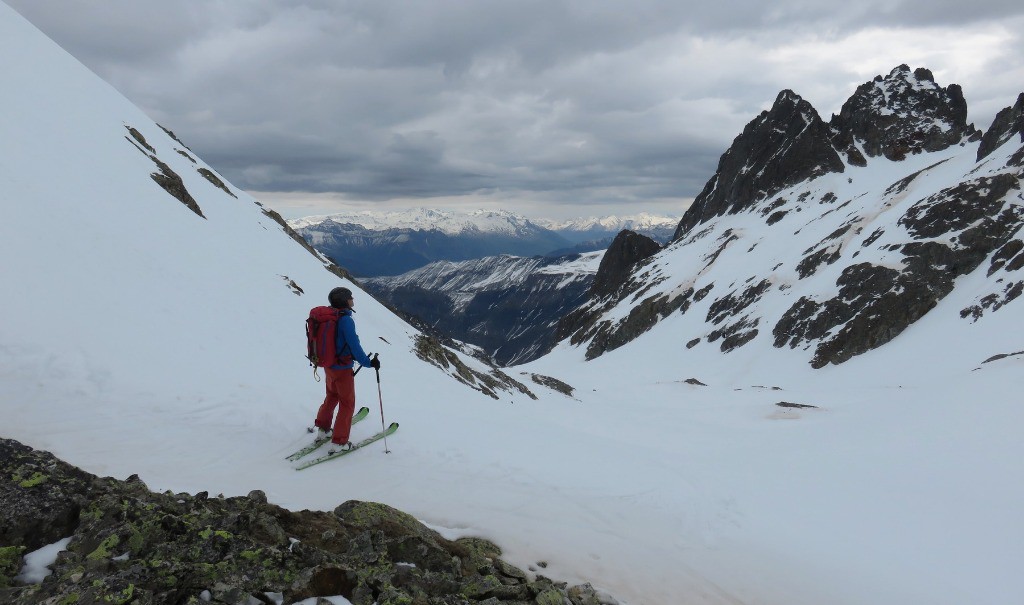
x,y
555,104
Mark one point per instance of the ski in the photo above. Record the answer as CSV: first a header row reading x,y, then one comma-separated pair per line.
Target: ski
x,y
362,413
391,429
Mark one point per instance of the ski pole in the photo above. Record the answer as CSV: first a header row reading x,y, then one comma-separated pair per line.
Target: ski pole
x,y
380,398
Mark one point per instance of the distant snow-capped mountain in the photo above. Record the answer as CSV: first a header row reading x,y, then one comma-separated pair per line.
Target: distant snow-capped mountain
x,y
637,222
596,233
427,219
508,306
389,243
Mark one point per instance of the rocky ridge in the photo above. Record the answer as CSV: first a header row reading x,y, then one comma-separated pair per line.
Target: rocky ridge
x,y
508,306
891,203
132,545
611,284
903,113
783,146
1007,123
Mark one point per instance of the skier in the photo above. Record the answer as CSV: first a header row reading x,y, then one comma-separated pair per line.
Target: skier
x,y
341,387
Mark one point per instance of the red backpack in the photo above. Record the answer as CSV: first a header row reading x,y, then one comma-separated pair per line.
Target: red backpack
x,y
322,338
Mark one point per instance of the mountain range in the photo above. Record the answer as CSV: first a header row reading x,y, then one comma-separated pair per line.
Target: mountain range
x,y
811,395
597,233
372,243
508,306
834,237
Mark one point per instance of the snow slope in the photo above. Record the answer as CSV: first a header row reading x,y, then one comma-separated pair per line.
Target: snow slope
x,y
138,337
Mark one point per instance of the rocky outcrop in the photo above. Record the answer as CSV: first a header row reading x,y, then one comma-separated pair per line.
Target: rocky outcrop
x,y
903,113
781,147
954,231
432,351
33,517
626,250
173,184
329,263
131,545
169,180
607,335
612,284
215,181
1007,123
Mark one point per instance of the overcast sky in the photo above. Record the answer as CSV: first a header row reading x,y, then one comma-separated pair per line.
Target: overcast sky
x,y
545,107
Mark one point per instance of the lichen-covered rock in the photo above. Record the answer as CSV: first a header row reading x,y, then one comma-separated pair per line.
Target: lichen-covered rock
x,y
40,496
131,545
10,563
585,594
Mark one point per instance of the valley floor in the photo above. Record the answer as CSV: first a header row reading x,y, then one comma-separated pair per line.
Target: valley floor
x,y
655,490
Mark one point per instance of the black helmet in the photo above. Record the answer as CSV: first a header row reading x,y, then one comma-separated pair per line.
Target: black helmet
x,y
339,298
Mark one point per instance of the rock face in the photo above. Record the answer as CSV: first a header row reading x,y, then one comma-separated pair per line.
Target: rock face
x,y
955,231
627,249
781,147
901,114
611,284
1007,123
904,113
131,545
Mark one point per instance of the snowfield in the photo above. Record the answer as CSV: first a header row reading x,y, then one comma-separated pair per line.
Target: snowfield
x,y
138,337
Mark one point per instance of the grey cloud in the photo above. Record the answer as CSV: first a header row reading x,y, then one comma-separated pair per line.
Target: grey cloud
x,y
569,101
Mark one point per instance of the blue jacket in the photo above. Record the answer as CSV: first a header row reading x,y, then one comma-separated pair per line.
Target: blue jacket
x,y
348,341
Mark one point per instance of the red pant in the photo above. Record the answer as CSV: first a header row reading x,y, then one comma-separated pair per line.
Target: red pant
x,y
341,394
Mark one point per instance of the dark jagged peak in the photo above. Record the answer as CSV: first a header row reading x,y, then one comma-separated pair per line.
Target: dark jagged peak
x,y
903,113
1008,122
781,147
627,249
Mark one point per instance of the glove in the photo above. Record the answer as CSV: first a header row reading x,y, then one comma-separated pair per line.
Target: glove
x,y
375,363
